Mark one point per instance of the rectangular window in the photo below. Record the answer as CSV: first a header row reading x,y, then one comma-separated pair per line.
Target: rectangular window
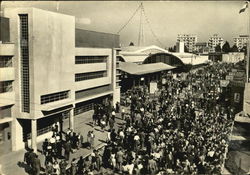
x,y
5,61
5,86
24,53
54,97
84,107
90,59
90,75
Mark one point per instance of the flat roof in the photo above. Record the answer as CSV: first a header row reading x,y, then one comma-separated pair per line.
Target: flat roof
x,y
135,69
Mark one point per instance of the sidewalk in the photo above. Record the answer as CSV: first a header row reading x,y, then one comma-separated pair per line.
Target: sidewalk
x,y
12,162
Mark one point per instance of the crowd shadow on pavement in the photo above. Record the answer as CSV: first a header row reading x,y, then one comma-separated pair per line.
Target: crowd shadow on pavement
x,y
103,141
26,167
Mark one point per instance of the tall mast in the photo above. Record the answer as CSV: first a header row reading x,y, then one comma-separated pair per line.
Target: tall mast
x,y
140,36
248,44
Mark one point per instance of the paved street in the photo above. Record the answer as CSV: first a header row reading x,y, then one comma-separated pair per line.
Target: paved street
x,y
12,163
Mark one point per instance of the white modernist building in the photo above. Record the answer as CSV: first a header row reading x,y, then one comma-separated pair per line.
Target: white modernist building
x,y
50,75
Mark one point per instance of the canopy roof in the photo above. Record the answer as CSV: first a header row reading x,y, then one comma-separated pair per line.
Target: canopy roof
x,y
135,69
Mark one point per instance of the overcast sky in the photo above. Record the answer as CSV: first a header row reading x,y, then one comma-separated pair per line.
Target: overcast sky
x,y
167,18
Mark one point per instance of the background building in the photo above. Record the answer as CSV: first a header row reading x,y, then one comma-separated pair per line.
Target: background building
x,y
214,41
180,47
241,41
51,74
189,41
201,47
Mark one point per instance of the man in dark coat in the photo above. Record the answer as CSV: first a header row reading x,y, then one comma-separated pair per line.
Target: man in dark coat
x,y
67,149
36,165
32,157
111,123
27,157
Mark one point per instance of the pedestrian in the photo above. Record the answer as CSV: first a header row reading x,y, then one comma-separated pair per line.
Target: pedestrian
x,y
67,150
73,167
92,140
56,168
117,106
63,165
27,158
111,123
45,146
113,114
123,113
32,158
98,160
119,159
36,165
49,169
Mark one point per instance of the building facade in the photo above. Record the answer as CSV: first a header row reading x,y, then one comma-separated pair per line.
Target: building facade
x,y
241,41
7,79
214,41
189,41
201,47
52,76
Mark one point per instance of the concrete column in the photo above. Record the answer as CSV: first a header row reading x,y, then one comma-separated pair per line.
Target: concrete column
x,y
71,119
16,134
34,134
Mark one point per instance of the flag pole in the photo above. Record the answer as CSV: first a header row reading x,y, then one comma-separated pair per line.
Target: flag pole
x,y
248,45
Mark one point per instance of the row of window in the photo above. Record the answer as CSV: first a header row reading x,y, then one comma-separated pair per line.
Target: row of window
x,y
90,59
65,94
24,46
6,61
5,86
54,97
83,108
90,75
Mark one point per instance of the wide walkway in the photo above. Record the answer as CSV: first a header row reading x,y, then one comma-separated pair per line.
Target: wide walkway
x,y
12,163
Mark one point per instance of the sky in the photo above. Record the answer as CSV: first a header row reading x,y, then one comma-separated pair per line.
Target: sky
x,y
166,19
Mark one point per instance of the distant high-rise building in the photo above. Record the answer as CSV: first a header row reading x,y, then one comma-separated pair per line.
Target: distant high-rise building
x,y
189,41
214,41
241,41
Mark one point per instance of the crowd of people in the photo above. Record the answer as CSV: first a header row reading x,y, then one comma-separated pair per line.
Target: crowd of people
x,y
183,130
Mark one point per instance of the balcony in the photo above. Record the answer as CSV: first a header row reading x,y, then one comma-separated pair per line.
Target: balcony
x,y
7,49
7,74
7,98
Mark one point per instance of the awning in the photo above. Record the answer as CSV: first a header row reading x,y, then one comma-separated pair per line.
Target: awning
x,y
6,119
135,69
57,110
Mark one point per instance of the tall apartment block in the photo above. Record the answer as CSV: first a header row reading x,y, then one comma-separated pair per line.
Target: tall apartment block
x,y
189,41
214,41
50,72
241,41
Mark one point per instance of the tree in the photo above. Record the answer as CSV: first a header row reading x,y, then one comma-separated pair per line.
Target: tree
x,y
131,44
244,49
185,49
226,47
218,48
174,49
234,49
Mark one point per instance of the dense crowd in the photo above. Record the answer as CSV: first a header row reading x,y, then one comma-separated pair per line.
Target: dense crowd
x,y
182,130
